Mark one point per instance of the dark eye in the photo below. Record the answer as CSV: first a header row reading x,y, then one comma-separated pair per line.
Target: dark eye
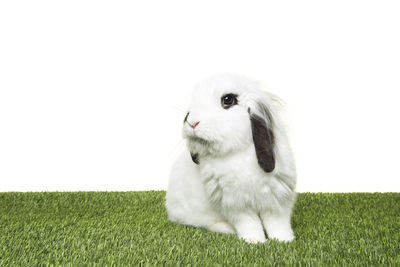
x,y
228,100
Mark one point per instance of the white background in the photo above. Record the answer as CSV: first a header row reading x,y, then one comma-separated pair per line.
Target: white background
x,y
93,93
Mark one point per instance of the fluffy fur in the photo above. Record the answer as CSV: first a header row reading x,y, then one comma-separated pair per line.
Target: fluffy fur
x,y
231,184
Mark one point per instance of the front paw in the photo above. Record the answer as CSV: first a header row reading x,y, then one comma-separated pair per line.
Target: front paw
x,y
249,228
283,236
251,239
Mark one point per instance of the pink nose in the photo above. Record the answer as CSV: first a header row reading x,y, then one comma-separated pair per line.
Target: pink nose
x,y
194,124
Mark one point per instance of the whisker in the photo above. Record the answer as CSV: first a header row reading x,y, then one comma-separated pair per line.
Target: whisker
x,y
181,110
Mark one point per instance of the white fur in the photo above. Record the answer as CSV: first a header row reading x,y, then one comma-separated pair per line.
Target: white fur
x,y
228,191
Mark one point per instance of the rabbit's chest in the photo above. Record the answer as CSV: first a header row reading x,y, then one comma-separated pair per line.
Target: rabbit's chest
x,y
234,181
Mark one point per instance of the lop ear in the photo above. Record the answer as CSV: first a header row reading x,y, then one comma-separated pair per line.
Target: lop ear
x,y
263,138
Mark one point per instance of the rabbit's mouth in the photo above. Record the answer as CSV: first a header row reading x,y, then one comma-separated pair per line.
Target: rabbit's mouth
x,y
197,137
199,140
200,145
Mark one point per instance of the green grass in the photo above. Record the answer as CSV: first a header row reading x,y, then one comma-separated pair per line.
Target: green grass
x,y
131,228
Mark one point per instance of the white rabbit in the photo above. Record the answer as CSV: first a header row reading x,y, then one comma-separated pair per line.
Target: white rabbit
x,y
238,173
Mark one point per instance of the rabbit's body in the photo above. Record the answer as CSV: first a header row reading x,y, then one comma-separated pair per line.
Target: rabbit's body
x,y
187,202
225,182
232,188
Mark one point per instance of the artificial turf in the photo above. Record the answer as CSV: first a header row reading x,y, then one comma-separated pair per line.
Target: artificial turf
x,y
131,228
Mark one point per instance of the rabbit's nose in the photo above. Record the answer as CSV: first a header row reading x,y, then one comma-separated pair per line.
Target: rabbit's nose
x,y
193,125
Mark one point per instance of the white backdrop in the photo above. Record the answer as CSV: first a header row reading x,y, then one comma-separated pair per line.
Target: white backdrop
x,y
93,93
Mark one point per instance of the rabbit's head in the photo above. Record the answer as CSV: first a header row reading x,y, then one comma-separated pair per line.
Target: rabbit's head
x,y
229,113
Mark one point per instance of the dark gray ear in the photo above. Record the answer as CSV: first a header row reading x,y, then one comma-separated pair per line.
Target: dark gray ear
x,y
263,138
195,157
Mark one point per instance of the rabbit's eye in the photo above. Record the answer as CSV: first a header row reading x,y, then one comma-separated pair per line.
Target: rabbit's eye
x,y
228,100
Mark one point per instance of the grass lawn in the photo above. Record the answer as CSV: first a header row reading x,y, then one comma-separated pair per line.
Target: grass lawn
x,y
131,228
